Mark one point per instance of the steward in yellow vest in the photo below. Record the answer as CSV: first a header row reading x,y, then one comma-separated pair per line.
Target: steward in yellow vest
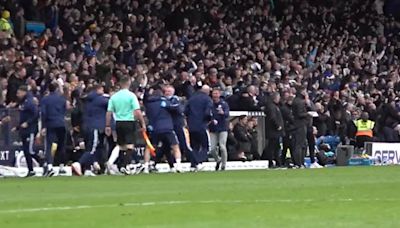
x,y
365,130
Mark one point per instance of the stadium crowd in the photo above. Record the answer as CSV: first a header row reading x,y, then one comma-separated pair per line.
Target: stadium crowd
x,y
315,68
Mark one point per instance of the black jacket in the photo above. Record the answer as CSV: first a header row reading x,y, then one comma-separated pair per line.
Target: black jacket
x,y
247,103
274,124
243,138
389,116
288,118
13,84
299,111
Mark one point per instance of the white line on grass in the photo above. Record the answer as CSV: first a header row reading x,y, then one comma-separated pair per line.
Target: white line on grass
x,y
160,203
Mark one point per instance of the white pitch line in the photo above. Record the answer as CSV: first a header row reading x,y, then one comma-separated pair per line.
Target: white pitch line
x,y
160,203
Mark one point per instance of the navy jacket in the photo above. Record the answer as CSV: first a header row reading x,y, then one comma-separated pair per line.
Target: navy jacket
x,y
53,108
95,109
222,119
177,109
29,113
199,112
158,114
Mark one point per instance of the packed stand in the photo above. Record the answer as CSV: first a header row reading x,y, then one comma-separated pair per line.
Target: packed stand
x,y
318,70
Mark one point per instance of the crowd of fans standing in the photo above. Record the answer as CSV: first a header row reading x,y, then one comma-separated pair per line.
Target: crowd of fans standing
x,y
344,56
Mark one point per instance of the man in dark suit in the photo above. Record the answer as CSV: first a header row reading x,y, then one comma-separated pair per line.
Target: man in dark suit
x,y
300,127
274,131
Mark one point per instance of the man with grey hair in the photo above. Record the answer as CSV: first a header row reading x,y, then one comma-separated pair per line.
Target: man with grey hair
x,y
199,113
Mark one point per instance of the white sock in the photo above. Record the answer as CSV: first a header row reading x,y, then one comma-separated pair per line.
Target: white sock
x,y
114,155
146,165
50,166
178,163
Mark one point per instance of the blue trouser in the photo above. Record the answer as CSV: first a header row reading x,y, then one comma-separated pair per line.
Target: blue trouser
x,y
28,140
200,143
55,135
94,144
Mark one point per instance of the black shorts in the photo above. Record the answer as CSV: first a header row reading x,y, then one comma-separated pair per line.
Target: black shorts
x,y
126,132
166,138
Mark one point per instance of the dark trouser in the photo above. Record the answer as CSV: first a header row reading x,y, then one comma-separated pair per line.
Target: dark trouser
x,y
28,140
111,144
390,134
273,151
165,150
94,143
200,144
167,140
299,142
287,143
361,140
311,144
55,135
184,146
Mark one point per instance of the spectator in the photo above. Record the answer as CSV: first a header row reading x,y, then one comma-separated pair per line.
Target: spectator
x,y
19,24
248,100
252,128
243,138
232,143
16,80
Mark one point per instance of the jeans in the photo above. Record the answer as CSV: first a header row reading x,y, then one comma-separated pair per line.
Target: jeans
x,y
219,139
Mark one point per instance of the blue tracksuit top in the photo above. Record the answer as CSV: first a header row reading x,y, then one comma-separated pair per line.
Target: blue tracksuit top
x,y
158,114
29,113
53,110
95,109
222,119
177,110
199,112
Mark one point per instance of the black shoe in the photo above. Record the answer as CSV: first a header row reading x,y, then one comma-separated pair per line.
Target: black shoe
x,y
218,165
49,172
223,168
31,174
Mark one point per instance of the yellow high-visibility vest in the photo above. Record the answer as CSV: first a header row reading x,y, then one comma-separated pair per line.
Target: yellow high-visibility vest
x,y
5,25
364,128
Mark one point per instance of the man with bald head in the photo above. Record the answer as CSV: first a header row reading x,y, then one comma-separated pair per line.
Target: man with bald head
x,y
199,113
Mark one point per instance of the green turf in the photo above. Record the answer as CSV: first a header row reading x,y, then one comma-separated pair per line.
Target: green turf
x,y
336,197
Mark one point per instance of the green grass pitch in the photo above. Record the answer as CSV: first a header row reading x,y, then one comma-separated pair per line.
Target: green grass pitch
x,y
333,197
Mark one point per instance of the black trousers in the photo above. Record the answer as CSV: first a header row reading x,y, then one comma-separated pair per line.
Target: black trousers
x,y
28,140
200,144
287,144
311,144
272,152
300,145
56,135
361,140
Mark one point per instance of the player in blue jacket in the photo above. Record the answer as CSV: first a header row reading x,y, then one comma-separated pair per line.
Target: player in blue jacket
x,y
158,110
199,114
28,126
94,117
53,110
